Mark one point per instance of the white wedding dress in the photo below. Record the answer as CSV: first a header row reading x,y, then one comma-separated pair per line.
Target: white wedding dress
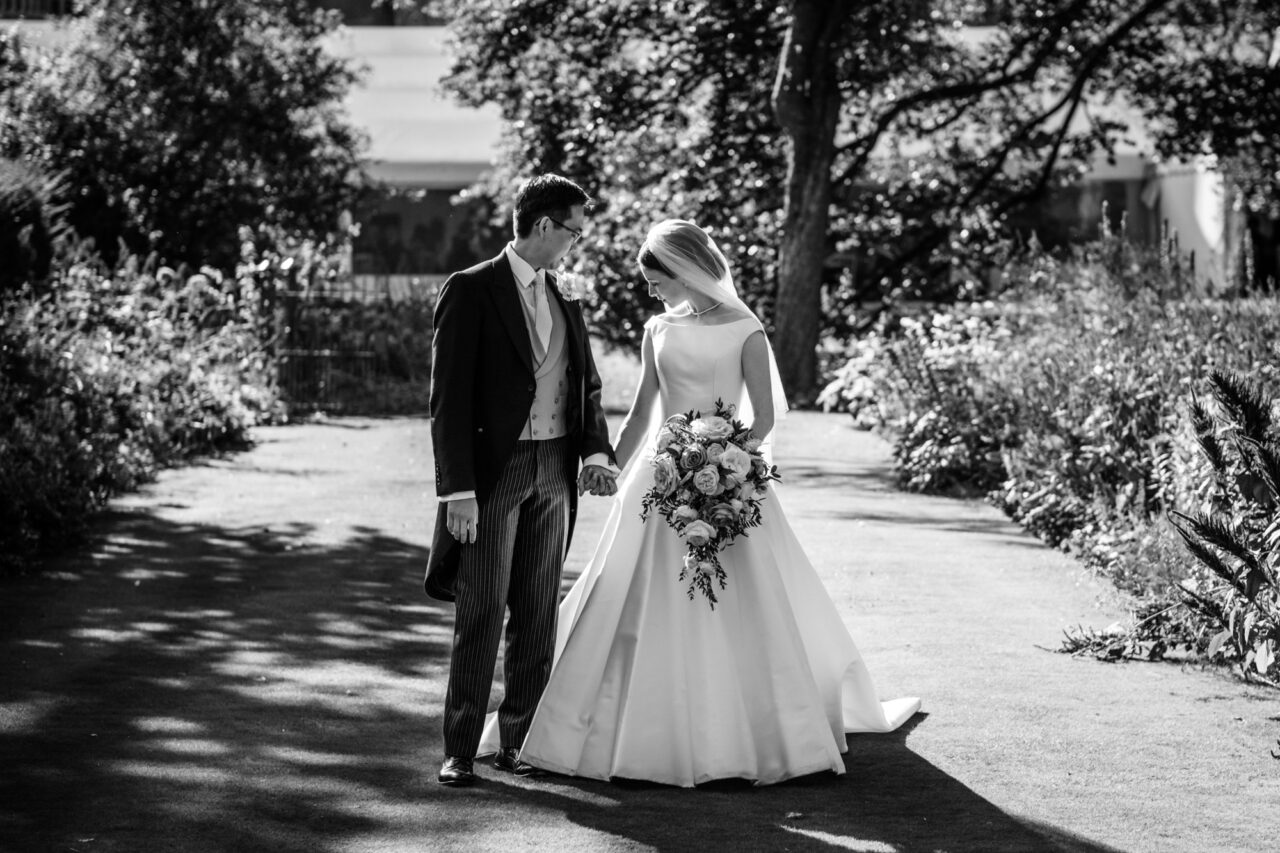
x,y
648,684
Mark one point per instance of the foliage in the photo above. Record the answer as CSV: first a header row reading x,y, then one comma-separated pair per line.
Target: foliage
x,y
927,380
1235,537
338,348
1065,399
1225,606
110,374
657,115
30,222
695,134
176,124
387,347
1227,102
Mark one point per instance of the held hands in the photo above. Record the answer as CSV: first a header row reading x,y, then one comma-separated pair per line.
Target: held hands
x,y
598,481
463,519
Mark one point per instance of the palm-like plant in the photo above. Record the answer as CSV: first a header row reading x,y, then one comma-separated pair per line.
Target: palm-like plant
x,y
1235,535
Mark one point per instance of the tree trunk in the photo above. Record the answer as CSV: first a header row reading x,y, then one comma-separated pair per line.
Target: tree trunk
x,y
806,101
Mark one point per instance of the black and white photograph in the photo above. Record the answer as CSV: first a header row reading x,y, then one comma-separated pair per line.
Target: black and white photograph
x,y
482,426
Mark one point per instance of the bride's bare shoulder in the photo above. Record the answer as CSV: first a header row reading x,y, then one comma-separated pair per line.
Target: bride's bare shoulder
x,y
734,316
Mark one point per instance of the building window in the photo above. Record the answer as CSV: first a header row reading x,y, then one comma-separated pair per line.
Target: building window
x,y
35,9
423,233
371,13
978,13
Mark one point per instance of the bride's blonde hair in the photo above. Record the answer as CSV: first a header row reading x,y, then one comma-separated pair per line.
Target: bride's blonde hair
x,y
682,250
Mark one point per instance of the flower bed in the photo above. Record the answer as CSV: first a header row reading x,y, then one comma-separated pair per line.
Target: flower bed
x,y
107,377
1067,402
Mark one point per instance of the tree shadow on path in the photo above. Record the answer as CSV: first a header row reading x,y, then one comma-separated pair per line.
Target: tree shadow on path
x,y
890,799
190,687
198,688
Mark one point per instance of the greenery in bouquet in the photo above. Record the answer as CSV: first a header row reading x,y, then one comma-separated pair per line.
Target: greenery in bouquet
x,y
709,478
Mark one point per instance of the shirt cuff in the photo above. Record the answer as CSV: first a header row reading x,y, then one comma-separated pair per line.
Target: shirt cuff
x,y
458,496
603,460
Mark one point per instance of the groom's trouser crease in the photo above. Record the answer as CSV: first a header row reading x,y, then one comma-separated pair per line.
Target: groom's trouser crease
x,y
515,564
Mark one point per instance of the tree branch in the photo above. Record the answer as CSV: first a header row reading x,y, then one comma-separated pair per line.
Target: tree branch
x,y
969,90
1070,100
972,90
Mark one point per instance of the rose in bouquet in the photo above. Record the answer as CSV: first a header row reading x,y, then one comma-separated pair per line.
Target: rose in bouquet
x,y
708,480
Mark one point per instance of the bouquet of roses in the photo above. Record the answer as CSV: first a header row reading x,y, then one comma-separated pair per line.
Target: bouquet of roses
x,y
708,480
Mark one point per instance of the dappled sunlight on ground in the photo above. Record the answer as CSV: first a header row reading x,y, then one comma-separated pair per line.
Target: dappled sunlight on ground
x,y
242,659
216,689
844,842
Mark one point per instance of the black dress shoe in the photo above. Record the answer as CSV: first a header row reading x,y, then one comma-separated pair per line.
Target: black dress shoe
x,y
508,759
457,772
524,768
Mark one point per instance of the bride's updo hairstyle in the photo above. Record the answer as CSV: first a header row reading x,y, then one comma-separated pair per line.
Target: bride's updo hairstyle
x,y
682,250
650,261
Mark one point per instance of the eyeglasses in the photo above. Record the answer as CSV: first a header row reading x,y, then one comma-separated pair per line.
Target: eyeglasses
x,y
577,234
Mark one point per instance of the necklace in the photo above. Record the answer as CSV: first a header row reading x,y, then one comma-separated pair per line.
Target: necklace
x,y
696,313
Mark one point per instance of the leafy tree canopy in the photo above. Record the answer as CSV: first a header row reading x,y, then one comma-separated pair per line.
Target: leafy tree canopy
x,y
654,120
846,154
176,123
1208,81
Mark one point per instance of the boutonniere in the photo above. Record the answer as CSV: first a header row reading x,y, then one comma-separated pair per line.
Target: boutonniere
x,y
574,287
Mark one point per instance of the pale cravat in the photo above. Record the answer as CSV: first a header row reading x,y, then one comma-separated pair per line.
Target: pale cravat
x,y
541,310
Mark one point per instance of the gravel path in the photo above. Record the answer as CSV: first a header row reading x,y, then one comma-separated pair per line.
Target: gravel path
x,y
241,659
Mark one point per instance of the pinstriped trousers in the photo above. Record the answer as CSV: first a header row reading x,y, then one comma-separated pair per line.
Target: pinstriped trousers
x,y
514,565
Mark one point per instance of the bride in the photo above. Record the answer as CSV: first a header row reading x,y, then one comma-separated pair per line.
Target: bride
x,y
650,684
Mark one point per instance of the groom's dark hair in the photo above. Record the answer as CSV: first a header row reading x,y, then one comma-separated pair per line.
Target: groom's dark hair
x,y
546,195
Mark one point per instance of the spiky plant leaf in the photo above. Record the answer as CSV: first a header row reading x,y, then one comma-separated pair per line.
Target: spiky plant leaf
x,y
1244,402
1204,554
1206,436
1271,542
1206,605
1254,581
1265,462
1213,530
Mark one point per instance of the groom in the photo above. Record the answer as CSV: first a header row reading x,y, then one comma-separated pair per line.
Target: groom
x,y
515,404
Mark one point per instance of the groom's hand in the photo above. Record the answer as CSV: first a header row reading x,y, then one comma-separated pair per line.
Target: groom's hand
x,y
597,480
463,520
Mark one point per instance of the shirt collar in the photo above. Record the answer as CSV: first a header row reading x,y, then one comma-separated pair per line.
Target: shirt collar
x,y
524,272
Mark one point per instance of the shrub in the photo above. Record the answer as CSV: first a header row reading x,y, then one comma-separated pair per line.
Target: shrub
x,y
111,375
175,128
341,348
1235,537
1226,605
1066,400
932,384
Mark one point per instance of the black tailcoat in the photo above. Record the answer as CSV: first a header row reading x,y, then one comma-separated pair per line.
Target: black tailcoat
x,y
482,387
